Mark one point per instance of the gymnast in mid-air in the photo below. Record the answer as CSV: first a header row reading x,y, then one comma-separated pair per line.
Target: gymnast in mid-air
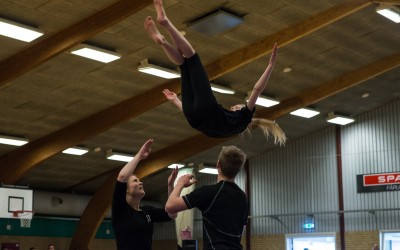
x,y
199,104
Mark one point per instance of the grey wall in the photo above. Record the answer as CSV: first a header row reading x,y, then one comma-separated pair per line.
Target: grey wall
x,y
302,177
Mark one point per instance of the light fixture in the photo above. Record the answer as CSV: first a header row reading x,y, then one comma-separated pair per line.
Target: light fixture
x,y
222,89
76,151
264,101
179,165
11,140
207,169
215,22
389,11
95,53
118,156
339,119
287,69
146,67
18,31
305,112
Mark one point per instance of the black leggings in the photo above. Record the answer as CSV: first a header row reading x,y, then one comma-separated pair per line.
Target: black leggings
x,y
198,100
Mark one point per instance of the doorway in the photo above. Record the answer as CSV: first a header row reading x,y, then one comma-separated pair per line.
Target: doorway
x,y
311,241
389,240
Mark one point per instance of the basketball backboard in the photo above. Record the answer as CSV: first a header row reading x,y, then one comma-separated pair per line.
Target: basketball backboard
x,y
15,199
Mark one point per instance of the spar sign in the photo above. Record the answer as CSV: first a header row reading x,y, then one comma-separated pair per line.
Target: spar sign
x,y
378,182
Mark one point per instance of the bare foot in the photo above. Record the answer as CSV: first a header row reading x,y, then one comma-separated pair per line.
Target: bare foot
x,y
153,32
161,16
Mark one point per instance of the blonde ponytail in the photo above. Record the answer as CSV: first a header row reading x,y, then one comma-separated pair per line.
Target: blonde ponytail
x,y
269,127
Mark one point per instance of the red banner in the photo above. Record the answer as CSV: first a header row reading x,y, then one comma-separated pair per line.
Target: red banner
x,y
381,179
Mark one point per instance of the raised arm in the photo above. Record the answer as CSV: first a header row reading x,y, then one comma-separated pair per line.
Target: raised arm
x,y
175,202
173,98
171,180
128,169
262,82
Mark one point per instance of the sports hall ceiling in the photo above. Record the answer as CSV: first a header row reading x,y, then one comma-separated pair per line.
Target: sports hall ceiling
x,y
338,51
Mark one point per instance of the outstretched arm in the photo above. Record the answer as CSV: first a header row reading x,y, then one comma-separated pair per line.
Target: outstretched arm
x,y
171,180
175,202
173,98
128,169
262,82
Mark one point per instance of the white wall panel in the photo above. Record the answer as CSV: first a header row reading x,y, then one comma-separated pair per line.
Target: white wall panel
x,y
292,181
372,145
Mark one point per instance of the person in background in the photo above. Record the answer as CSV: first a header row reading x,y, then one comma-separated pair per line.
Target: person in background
x,y
224,206
51,247
132,224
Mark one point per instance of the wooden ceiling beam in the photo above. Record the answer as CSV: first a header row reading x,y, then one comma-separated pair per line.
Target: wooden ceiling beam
x,y
390,2
93,214
188,147
17,162
200,143
158,160
49,47
283,37
331,87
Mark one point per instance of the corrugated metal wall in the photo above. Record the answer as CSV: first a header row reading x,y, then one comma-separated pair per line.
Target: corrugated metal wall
x,y
299,178
371,145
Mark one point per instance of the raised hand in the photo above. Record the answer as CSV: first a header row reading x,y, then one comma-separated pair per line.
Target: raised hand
x,y
171,96
145,150
187,180
273,54
172,176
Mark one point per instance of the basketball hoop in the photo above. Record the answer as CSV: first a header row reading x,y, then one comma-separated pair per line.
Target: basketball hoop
x,y
25,217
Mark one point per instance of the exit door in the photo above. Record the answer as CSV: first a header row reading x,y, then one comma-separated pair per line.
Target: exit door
x,y
311,241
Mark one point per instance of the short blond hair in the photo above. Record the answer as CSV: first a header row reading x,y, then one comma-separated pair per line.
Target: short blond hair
x,y
231,160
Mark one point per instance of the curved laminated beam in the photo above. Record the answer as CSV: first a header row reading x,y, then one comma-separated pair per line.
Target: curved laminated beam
x,y
390,2
16,163
92,217
196,144
199,143
331,87
283,37
45,147
49,145
49,47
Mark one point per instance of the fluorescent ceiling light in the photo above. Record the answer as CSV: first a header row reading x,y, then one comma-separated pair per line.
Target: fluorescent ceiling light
x,y
209,170
264,101
305,112
119,156
389,11
339,119
76,151
95,53
179,165
11,140
146,67
222,89
18,31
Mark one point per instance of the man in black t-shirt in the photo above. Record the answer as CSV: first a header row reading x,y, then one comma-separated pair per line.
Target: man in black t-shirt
x,y
224,205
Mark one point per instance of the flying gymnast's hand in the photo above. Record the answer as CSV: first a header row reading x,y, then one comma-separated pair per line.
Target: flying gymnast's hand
x,y
171,96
